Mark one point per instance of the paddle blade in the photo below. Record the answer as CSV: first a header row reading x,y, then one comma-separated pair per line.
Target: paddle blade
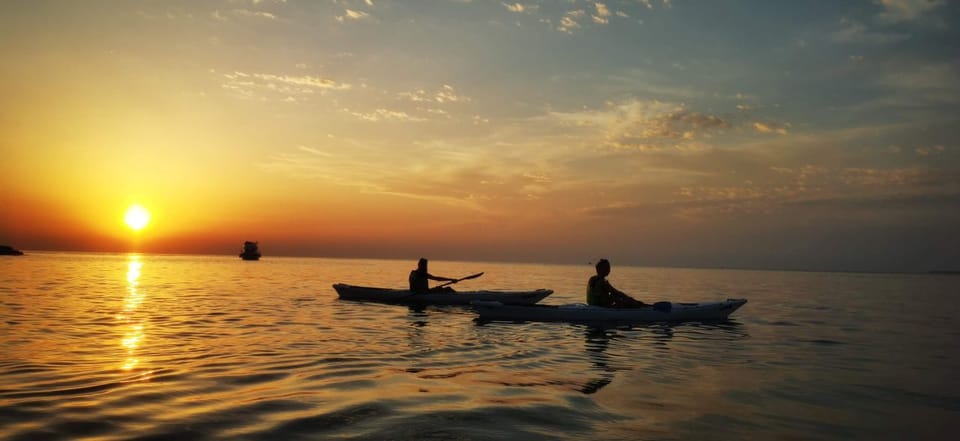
x,y
474,276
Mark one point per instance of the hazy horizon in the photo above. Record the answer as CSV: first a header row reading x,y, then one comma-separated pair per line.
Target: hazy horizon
x,y
754,134
440,261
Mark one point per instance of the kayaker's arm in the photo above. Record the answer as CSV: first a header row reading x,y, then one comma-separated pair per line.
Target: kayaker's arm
x,y
622,298
615,291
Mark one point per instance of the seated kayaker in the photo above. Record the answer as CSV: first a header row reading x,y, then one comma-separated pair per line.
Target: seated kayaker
x,y
601,293
419,278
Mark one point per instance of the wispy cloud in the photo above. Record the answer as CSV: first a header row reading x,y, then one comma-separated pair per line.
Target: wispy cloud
x,y
929,151
286,86
667,4
351,14
854,32
446,94
934,87
474,181
602,14
783,189
258,14
766,127
896,11
314,151
386,115
303,80
521,7
569,21
242,13
644,125
937,81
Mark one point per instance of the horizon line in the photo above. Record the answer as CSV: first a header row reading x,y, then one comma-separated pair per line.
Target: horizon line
x,y
523,262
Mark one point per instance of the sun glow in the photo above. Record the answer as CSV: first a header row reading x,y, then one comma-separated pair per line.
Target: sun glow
x,y
137,217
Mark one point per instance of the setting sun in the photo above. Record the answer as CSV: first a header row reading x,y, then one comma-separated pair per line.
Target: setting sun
x,y
137,217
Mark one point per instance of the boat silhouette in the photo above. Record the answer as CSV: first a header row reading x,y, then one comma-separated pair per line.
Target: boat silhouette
x,y
251,251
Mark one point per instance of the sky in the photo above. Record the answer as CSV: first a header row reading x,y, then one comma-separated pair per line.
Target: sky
x,y
819,135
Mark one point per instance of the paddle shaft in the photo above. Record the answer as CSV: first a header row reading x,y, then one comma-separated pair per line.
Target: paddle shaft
x,y
473,276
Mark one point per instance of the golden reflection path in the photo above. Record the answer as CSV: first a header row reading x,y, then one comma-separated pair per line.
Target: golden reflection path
x,y
133,324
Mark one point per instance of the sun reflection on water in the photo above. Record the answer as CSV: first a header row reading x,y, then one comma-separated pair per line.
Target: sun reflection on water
x,y
134,334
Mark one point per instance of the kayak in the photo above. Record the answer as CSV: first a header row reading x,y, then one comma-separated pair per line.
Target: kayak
x,y
403,296
579,312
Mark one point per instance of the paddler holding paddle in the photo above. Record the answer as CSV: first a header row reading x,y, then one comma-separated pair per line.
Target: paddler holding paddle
x,y
419,279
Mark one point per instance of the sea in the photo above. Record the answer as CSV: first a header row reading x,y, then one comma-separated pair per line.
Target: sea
x,y
175,347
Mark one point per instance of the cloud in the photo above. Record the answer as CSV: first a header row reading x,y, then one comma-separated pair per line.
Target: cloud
x,y
350,14
602,15
930,81
644,125
846,180
569,21
258,14
908,87
314,151
386,115
896,11
928,151
770,128
667,4
446,94
461,177
805,187
854,32
356,15
288,86
520,7
303,80
246,13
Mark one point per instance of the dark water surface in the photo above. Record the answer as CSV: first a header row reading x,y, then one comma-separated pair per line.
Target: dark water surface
x,y
104,347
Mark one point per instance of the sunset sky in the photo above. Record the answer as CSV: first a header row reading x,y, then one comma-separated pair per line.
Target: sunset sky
x,y
762,134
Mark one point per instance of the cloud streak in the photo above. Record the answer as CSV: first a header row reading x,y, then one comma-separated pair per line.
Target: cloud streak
x,y
896,11
291,87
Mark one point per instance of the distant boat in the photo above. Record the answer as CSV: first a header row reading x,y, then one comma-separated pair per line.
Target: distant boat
x,y
7,250
250,251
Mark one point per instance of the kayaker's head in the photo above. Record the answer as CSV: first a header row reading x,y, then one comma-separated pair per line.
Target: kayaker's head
x,y
422,265
603,267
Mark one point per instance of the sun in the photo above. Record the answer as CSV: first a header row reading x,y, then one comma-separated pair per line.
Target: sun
x,y
137,217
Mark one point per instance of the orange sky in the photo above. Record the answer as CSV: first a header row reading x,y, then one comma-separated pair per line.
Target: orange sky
x,y
648,132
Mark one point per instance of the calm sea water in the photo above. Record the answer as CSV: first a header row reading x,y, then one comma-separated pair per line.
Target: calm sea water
x,y
104,347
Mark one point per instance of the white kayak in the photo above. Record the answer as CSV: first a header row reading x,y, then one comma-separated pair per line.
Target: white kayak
x,y
581,313
403,296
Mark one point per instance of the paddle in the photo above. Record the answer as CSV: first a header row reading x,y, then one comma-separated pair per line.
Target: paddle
x,y
473,276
